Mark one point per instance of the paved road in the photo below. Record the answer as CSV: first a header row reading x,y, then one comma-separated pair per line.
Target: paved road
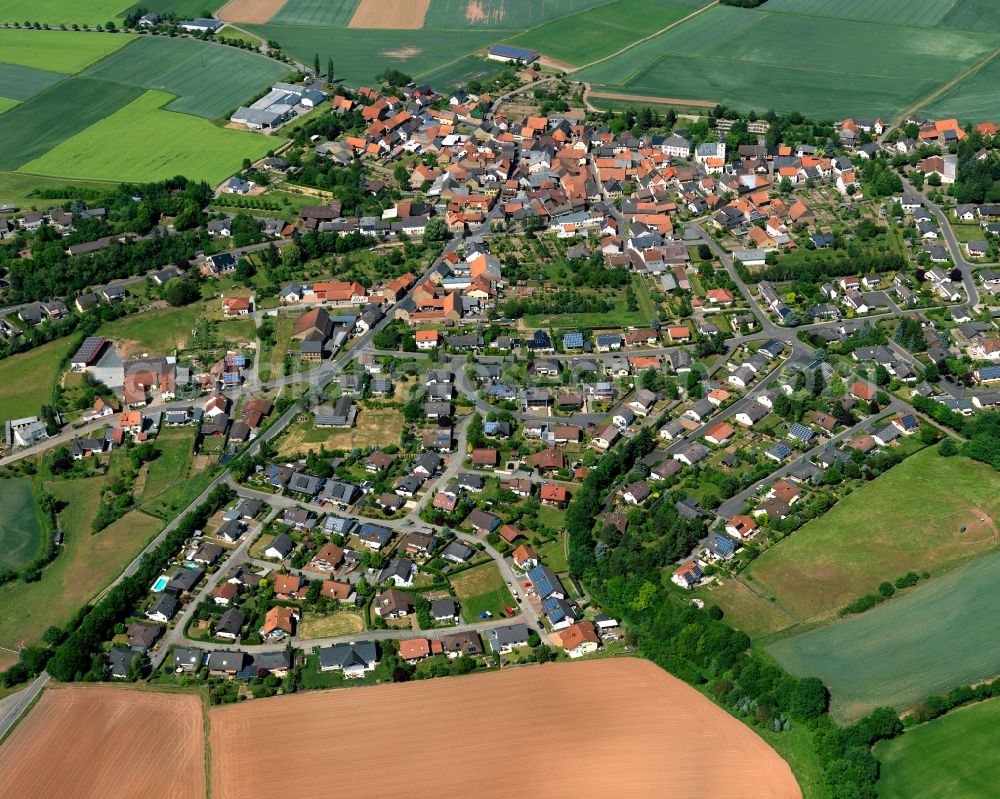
x,y
20,703
734,505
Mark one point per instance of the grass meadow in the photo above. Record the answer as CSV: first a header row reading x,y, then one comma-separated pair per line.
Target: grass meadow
x,y
934,759
20,531
173,465
926,641
57,51
157,332
922,504
28,379
6,104
118,147
209,80
585,37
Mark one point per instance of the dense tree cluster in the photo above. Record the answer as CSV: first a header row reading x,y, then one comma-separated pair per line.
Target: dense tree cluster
x,y
977,180
562,301
817,268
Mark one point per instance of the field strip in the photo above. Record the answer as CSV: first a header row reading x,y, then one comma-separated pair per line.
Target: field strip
x,y
637,42
588,93
949,85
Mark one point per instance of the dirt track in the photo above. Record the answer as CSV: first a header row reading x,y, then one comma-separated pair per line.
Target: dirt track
x,y
251,11
106,743
397,14
593,729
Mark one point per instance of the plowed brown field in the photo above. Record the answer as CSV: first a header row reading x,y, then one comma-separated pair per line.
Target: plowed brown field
x,y
594,729
106,743
399,14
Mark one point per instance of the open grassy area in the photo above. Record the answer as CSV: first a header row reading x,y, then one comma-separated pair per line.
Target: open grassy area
x,y
765,58
36,126
20,189
908,519
173,464
156,332
271,361
6,104
117,147
481,588
55,51
553,554
59,12
85,565
618,316
343,622
372,426
20,530
27,380
744,609
599,32
184,9
949,756
923,642
191,70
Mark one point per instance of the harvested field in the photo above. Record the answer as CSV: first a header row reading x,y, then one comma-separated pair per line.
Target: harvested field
x,y
254,11
372,426
653,733
109,742
394,14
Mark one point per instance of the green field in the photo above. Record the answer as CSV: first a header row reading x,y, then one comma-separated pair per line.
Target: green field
x,y
918,13
458,73
20,531
209,80
6,104
585,37
184,9
23,83
761,59
85,564
359,54
326,13
504,14
37,126
27,380
119,147
481,588
921,505
926,641
57,51
950,756
972,15
975,99
173,463
60,12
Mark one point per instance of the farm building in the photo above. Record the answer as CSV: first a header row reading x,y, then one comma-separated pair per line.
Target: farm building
x,y
506,53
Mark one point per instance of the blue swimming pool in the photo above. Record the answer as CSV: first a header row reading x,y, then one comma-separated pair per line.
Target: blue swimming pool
x,y
161,582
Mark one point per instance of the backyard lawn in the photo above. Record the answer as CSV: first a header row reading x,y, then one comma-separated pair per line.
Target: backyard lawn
x,y
342,622
479,589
